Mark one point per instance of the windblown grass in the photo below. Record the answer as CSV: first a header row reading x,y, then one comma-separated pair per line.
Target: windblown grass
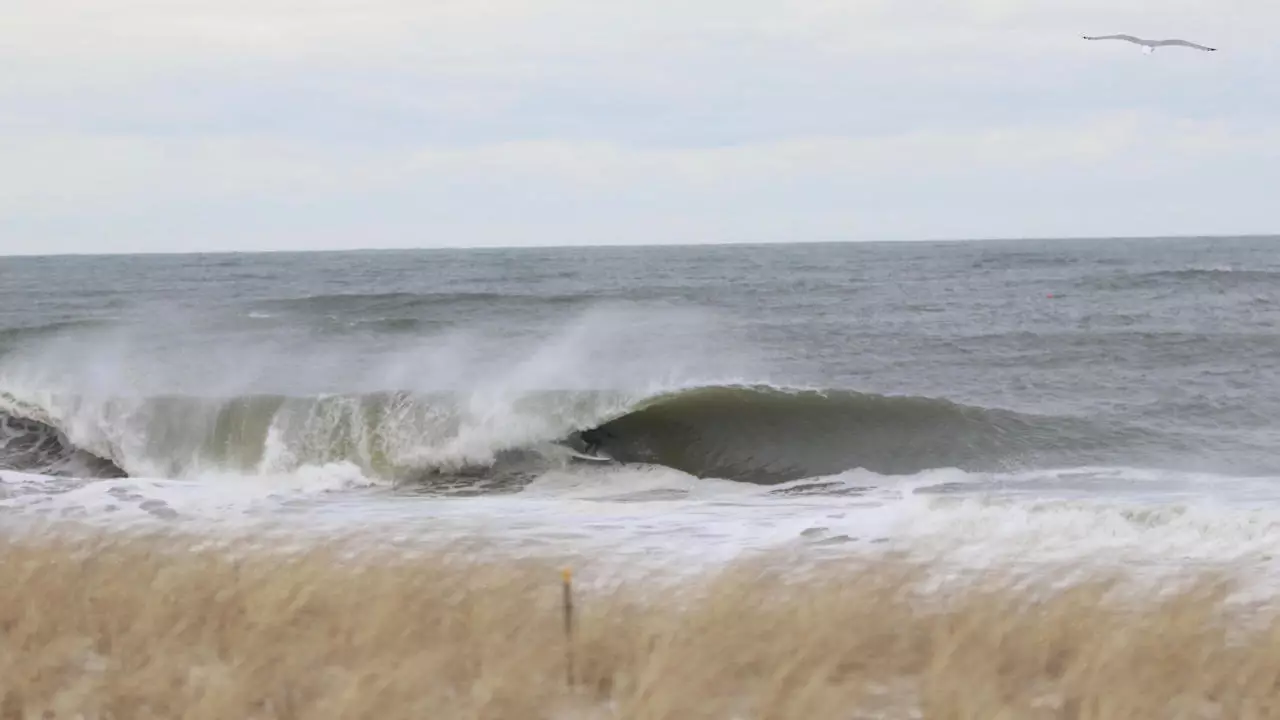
x,y
155,627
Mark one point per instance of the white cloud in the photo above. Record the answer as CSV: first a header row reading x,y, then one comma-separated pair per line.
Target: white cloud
x,y
105,170
1111,171
89,32
278,122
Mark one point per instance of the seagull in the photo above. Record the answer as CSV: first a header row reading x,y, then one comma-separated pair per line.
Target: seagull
x,y
1149,46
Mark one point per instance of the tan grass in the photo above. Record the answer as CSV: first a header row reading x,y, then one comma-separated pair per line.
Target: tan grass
x,y
153,627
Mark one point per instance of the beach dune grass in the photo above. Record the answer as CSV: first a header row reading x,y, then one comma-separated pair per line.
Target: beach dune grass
x,y
159,627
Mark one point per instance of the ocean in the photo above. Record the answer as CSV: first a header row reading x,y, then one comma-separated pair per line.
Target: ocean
x,y
983,402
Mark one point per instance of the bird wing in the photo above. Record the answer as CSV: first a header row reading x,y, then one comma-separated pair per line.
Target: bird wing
x,y
1128,38
1183,43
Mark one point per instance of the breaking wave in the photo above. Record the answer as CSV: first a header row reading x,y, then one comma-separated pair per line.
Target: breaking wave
x,y
32,446
751,433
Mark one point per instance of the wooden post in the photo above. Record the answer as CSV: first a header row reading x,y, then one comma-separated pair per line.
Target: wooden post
x,y
567,577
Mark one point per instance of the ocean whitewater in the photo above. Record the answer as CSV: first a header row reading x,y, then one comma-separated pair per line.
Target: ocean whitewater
x,y
965,480
933,400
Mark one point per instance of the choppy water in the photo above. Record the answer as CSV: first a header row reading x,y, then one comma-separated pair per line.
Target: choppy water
x,y
1113,399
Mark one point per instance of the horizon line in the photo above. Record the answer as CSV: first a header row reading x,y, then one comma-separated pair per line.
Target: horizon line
x,y
605,246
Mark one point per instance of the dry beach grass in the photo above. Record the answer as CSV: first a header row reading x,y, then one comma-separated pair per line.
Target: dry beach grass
x,y
156,627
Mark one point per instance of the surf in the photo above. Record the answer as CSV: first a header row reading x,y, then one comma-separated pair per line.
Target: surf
x,y
767,434
753,433
32,446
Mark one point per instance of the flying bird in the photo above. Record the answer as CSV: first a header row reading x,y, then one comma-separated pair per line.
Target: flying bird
x,y
1149,46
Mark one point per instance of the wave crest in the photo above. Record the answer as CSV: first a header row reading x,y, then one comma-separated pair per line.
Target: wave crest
x,y
766,434
752,433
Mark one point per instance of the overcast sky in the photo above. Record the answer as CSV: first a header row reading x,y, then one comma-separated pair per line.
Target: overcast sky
x,y
179,125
